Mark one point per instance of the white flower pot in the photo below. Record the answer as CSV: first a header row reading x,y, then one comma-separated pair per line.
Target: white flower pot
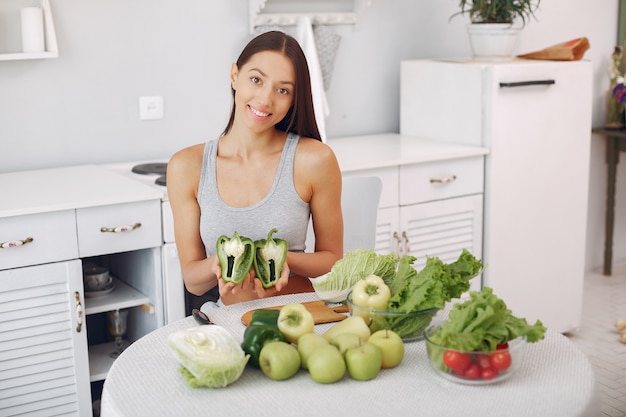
x,y
493,41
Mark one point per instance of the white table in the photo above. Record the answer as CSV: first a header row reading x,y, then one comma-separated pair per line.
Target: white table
x,y
556,379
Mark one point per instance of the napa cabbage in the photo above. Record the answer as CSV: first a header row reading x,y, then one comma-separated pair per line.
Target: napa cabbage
x,y
356,265
209,356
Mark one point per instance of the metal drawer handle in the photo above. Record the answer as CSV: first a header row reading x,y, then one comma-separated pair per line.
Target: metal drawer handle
x,y
407,246
79,312
445,180
396,236
527,83
120,229
15,243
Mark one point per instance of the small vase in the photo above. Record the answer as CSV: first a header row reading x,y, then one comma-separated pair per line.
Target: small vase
x,y
614,112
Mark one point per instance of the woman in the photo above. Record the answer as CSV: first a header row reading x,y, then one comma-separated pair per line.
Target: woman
x,y
269,169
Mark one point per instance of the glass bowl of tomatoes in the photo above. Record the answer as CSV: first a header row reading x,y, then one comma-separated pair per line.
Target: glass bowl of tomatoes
x,y
475,367
409,325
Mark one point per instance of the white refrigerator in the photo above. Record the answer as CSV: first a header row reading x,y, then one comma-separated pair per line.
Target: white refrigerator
x,y
535,117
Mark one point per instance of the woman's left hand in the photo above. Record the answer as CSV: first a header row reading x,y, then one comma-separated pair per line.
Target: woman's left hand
x,y
280,284
251,287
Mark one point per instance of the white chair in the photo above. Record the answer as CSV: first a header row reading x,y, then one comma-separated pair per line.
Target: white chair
x,y
359,205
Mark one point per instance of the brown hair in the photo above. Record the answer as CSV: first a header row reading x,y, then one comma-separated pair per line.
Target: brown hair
x,y
300,119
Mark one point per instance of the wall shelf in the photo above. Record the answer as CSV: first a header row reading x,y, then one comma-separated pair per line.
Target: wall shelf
x,y
52,50
282,13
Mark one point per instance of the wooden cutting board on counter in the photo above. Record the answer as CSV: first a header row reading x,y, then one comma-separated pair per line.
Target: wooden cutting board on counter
x,y
321,312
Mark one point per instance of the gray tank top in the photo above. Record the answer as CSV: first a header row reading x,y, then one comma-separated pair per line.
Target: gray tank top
x,y
282,208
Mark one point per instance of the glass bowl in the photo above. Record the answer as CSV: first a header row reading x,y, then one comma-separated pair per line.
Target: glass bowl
x,y
476,367
408,325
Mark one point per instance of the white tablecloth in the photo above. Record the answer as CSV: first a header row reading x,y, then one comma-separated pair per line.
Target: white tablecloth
x,y
556,379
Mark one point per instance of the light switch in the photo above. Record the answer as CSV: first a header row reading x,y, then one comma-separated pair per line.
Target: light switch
x,y
151,108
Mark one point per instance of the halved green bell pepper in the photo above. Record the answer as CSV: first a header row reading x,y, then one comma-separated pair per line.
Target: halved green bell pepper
x,y
270,256
255,337
236,256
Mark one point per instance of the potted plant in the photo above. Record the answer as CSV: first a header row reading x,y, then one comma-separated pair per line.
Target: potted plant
x,y
491,30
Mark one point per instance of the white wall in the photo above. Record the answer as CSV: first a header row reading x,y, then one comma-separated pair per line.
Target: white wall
x,y
83,106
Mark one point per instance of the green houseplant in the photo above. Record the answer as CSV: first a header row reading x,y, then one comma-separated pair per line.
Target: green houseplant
x,y
498,11
492,33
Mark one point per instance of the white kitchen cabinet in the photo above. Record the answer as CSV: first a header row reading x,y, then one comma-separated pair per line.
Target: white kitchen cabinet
x,y
535,118
12,12
55,339
43,349
431,201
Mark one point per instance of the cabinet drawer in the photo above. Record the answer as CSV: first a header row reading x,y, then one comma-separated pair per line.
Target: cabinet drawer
x,y
53,239
439,180
119,228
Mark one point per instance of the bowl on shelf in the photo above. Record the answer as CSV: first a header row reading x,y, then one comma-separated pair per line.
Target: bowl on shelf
x,y
408,325
475,367
96,278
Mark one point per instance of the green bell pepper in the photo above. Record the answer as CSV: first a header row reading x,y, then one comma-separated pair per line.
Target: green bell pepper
x,y
268,317
236,256
255,337
270,256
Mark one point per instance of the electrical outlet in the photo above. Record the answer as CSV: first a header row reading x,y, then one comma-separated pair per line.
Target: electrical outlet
x,y
151,108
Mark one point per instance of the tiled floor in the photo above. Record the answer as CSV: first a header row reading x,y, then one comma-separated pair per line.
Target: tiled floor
x,y
605,302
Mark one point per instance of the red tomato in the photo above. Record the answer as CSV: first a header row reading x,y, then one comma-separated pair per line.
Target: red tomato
x,y
488,373
502,346
500,360
483,361
457,361
472,372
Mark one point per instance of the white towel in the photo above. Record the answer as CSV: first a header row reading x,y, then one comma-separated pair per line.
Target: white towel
x,y
307,43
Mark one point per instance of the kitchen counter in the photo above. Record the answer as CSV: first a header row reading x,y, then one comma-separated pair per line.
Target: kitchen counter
x,y
74,187
392,149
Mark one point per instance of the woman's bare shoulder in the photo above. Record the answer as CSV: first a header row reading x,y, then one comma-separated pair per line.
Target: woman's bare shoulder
x,y
187,158
183,169
315,154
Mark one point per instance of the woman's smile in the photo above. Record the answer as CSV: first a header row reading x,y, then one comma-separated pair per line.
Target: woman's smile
x,y
259,113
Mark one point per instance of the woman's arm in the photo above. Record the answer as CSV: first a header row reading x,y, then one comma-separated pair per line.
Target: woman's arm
x,y
183,176
318,180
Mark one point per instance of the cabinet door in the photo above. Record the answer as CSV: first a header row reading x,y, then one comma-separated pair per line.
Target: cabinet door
x,y
443,229
536,191
44,367
388,231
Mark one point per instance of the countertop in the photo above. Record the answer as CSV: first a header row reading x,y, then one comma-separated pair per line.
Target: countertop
x,y
392,149
73,187
65,188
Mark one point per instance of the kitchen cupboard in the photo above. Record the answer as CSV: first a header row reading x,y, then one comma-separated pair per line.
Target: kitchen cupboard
x,y
13,15
43,349
431,200
535,119
55,339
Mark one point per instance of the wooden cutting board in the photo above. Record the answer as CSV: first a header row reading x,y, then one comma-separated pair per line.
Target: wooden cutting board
x,y
321,312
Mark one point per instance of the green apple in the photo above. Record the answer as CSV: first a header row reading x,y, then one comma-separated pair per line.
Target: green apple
x,y
279,360
294,320
353,324
326,365
391,346
345,341
364,361
307,344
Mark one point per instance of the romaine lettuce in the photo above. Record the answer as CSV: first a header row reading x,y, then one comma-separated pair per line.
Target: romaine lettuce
x,y
482,323
434,285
